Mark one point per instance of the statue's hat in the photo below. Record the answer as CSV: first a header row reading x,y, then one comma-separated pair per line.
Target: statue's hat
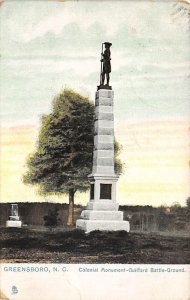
x,y
107,43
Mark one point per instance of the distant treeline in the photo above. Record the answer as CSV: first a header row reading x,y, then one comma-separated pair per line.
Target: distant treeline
x,y
144,218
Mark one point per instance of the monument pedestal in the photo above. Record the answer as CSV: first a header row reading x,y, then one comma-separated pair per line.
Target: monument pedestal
x,y
102,210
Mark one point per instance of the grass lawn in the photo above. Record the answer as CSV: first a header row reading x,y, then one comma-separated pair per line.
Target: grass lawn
x,y
21,245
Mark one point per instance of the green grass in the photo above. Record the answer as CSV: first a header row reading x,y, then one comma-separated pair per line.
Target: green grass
x,y
74,246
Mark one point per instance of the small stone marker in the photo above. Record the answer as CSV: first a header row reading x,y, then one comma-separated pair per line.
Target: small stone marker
x,y
14,220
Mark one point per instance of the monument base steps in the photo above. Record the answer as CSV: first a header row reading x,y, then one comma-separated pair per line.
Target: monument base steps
x,y
103,225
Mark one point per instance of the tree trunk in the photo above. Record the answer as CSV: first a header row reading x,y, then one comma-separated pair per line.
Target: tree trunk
x,y
70,220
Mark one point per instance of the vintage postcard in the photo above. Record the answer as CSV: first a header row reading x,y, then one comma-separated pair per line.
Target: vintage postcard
x,y
95,136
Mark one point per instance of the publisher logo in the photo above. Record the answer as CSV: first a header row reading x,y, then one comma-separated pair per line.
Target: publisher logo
x,y
14,290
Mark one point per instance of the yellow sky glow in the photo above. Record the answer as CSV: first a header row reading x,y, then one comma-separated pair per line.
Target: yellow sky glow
x,y
155,153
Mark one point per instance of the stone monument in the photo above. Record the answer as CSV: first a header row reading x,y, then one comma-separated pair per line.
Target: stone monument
x,y
102,209
14,220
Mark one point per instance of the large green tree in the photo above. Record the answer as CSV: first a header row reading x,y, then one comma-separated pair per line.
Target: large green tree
x,y
63,157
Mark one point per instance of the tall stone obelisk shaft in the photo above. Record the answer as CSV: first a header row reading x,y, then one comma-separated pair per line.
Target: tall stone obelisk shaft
x,y
103,155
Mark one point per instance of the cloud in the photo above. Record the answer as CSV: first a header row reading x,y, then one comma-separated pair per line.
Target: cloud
x,y
53,17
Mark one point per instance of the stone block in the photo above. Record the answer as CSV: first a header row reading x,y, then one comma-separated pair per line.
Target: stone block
x,y
103,131
104,116
103,225
103,124
103,161
103,139
104,146
104,102
11,223
104,93
103,205
14,218
104,109
101,178
103,153
102,215
105,170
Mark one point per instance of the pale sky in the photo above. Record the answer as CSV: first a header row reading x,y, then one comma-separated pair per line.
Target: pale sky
x,y
49,45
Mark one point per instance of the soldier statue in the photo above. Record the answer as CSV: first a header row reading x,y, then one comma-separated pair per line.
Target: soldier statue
x,y
106,60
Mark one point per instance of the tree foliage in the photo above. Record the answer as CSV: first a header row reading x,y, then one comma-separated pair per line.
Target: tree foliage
x,y
188,202
64,152
119,166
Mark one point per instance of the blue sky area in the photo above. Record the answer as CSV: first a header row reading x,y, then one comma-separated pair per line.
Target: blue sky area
x,y
49,45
